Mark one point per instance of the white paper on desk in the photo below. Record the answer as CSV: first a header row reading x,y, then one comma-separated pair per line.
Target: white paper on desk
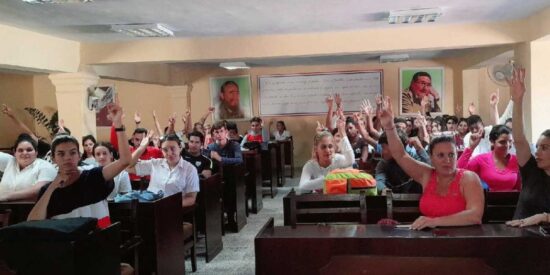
x,y
403,226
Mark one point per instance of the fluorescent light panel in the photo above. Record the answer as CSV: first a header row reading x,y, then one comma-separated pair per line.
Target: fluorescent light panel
x,y
144,30
414,16
234,65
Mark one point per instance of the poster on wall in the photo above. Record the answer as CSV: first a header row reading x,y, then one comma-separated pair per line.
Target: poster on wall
x,y
421,90
231,96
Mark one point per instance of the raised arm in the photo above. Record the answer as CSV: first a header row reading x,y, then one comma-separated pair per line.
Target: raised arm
x,y
157,124
137,119
494,98
328,121
189,125
517,89
206,115
21,127
171,124
419,171
114,168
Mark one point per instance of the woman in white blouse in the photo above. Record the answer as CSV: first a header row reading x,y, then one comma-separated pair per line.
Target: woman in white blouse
x,y
280,133
24,173
171,174
104,154
325,159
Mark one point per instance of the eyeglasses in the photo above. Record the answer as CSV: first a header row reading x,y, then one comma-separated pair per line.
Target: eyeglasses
x,y
425,84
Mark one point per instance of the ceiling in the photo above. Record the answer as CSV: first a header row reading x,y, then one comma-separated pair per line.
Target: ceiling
x,y
91,21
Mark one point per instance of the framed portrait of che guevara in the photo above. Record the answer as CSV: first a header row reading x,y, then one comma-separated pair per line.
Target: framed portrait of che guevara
x,y
421,90
232,97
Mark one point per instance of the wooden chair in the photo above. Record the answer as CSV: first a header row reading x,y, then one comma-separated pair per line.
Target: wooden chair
x,y
126,214
500,206
190,235
318,208
402,207
5,217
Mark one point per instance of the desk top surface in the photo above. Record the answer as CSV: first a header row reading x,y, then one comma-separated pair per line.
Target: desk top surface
x,y
378,231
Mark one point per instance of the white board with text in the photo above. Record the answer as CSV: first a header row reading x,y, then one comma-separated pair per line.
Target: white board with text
x,y
305,93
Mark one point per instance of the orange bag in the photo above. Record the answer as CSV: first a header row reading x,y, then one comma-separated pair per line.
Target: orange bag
x,y
349,181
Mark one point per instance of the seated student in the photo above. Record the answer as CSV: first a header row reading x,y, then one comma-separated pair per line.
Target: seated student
x,y
224,150
534,202
451,197
76,193
325,159
498,168
149,153
104,155
280,133
193,154
358,144
170,174
255,134
461,131
389,174
24,173
233,132
88,143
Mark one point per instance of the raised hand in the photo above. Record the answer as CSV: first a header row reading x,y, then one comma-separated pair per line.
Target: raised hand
x,y
494,98
154,114
426,104
384,111
145,140
320,127
7,110
211,109
137,117
341,124
329,100
338,99
517,83
475,138
172,119
115,113
472,108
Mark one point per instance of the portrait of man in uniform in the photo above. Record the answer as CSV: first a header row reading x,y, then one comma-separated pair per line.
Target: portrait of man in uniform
x,y
421,90
231,97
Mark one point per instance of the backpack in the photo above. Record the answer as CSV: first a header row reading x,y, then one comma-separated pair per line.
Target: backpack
x,y
349,181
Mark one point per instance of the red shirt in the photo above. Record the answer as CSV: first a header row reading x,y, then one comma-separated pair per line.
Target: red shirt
x,y
150,153
434,205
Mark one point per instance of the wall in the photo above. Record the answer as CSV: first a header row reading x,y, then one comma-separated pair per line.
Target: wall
x,y
303,127
44,99
16,91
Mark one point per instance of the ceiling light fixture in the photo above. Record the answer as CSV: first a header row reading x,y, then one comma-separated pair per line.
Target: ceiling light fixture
x,y
414,16
55,1
394,58
234,65
144,30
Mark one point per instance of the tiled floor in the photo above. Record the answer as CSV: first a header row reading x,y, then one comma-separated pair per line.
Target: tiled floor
x,y
237,256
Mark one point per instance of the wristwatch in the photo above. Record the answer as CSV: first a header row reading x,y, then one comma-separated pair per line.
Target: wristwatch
x,y
120,129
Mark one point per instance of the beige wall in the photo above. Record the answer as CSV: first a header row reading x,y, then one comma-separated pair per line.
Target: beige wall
x,y
16,91
44,99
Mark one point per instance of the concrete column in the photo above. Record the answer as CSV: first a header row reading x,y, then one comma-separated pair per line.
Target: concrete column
x,y
72,101
540,87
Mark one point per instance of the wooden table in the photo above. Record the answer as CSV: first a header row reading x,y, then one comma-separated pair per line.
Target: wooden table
x,y
288,149
280,160
308,248
253,178
19,210
209,213
234,194
269,169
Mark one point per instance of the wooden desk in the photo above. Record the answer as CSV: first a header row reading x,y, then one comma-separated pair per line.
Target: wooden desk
x,y
19,210
307,248
253,164
281,179
376,208
209,213
288,149
269,169
234,194
160,225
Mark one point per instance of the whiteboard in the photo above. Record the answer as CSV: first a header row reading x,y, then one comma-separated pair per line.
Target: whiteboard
x,y
305,93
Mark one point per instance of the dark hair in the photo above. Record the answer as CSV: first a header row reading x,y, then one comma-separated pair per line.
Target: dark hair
x,y
227,83
171,137
453,118
384,138
196,134
462,119
399,120
334,131
474,119
419,74
109,147
440,139
546,133
282,123
218,125
59,139
84,139
229,125
256,119
25,137
508,120
140,131
499,130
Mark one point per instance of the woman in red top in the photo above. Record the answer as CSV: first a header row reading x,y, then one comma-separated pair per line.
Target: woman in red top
x,y
451,197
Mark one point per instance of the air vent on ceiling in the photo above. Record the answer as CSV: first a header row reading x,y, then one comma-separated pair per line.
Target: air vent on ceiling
x,y
56,1
234,65
414,16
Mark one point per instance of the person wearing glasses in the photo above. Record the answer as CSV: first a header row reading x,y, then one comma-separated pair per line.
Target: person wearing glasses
x,y
420,91
170,174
